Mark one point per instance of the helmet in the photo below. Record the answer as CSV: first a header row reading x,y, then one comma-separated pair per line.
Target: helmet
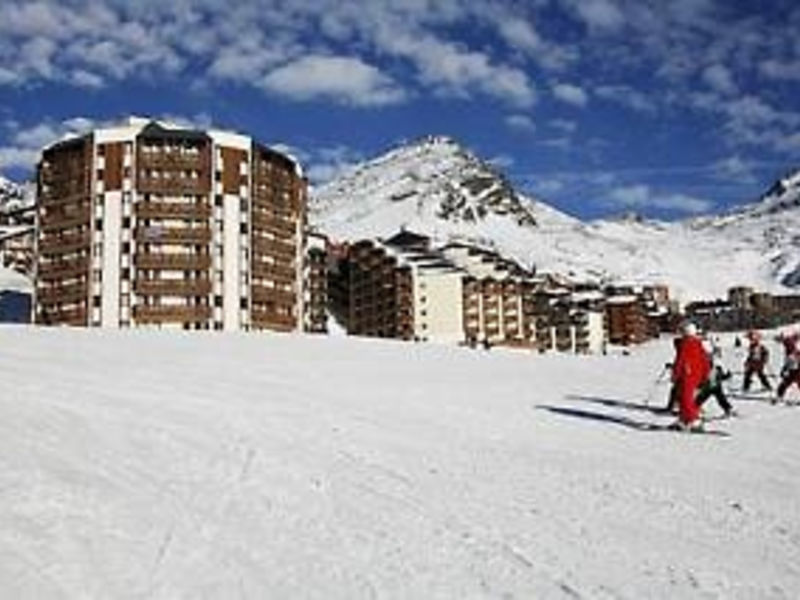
x,y
689,328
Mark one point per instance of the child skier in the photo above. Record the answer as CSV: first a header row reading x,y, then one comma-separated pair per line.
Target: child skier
x,y
713,385
756,362
790,373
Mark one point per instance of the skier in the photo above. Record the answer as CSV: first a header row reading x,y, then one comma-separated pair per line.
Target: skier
x,y
691,368
790,342
790,373
713,385
756,361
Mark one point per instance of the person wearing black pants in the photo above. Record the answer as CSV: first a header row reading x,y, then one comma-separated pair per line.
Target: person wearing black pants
x,y
756,362
713,387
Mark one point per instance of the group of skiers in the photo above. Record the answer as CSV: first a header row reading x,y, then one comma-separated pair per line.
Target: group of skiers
x,y
697,373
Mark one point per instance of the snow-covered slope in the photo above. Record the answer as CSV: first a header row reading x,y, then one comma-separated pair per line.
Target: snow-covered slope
x,y
433,184
698,258
142,464
15,195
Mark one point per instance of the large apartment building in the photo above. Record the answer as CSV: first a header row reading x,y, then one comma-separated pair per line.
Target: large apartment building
x,y
150,224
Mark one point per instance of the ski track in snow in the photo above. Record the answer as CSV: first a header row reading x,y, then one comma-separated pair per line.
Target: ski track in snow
x,y
142,464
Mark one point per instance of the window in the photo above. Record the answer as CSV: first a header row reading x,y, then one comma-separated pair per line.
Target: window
x,y
218,301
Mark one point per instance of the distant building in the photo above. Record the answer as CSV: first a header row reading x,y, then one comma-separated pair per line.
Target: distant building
x,y
627,320
745,308
740,297
404,288
150,224
315,279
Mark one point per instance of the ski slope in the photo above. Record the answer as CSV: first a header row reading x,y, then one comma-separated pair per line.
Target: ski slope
x,y
144,464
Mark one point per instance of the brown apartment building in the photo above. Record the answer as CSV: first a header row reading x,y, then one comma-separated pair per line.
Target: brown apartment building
x,y
150,224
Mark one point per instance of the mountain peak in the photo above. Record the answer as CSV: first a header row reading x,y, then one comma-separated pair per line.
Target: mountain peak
x,y
433,184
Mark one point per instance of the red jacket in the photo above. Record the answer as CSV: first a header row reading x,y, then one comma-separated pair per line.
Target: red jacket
x,y
692,363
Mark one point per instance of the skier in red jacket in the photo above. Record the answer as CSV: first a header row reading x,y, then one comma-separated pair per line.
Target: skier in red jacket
x,y
692,367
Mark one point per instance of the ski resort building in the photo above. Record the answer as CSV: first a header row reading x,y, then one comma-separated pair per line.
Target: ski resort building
x,y
151,224
404,288
627,320
315,280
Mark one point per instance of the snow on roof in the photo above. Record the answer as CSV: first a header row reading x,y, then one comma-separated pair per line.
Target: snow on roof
x,y
588,295
623,299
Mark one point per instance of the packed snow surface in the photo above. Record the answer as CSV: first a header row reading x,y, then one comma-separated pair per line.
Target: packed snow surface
x,y
146,464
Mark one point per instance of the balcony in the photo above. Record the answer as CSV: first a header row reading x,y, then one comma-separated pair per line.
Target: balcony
x,y
268,295
177,287
172,210
267,319
51,245
274,248
173,262
63,294
171,161
173,235
69,316
52,221
279,272
63,269
171,314
173,185
54,199
278,226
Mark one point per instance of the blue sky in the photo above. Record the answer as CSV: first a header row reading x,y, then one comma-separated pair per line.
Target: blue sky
x,y
597,106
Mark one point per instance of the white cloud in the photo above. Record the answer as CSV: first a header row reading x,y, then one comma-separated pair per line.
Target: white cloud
x,y
734,168
502,161
324,163
642,196
774,69
15,157
522,123
454,70
564,125
571,94
343,79
602,15
85,79
562,143
719,78
624,95
547,186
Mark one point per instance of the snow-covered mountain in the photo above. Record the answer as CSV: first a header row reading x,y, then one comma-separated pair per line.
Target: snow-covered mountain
x,y
437,187
15,195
